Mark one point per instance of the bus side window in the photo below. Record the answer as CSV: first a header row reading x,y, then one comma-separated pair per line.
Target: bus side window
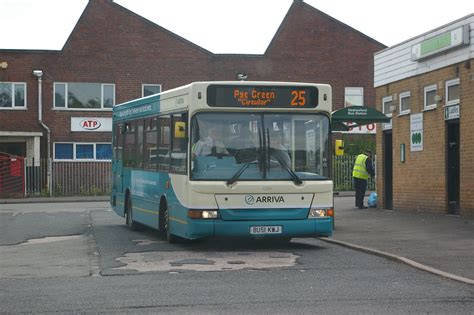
x,y
150,144
129,144
179,143
164,142
139,144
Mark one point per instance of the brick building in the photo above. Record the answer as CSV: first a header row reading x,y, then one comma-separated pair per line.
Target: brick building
x,y
114,55
425,156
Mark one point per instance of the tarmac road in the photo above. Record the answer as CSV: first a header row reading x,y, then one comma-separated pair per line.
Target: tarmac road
x,y
80,258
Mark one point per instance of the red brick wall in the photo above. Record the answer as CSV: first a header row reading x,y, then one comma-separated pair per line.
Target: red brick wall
x,y
111,44
420,183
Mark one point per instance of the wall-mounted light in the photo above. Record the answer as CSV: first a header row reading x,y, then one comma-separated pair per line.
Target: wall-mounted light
x,y
38,73
438,98
3,65
392,108
242,76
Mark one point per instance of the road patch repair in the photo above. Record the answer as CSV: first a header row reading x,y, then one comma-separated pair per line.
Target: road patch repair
x,y
215,261
48,257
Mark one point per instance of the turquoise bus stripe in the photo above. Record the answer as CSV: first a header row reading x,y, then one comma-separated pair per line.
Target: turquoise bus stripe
x,y
178,220
145,210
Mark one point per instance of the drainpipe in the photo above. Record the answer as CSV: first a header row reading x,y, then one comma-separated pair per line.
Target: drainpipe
x,y
39,75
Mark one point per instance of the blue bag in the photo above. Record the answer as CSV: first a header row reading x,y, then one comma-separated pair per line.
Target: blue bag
x,y
372,201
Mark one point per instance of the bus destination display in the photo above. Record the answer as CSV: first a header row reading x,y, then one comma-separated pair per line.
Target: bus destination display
x,y
262,96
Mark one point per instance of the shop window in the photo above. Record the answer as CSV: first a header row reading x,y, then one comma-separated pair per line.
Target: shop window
x,y
452,92
12,95
84,96
64,151
354,96
150,89
82,151
404,105
430,97
103,151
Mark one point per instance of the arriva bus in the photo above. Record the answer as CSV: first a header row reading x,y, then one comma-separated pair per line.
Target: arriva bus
x,y
218,159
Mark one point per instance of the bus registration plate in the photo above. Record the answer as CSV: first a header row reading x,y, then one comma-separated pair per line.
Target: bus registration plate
x,y
266,229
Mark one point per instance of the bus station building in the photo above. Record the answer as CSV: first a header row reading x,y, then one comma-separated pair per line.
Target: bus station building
x,y
425,155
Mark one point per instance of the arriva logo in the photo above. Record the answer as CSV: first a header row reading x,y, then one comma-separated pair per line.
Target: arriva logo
x,y
250,199
90,124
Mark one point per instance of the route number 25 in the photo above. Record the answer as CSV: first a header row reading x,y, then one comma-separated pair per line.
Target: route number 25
x,y
298,98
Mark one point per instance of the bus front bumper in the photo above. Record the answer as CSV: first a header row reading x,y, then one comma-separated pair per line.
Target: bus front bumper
x,y
289,228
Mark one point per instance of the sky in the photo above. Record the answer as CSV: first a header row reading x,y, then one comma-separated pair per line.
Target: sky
x,y
227,26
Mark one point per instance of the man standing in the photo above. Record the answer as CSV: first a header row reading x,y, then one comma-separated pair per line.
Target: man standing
x,y
362,169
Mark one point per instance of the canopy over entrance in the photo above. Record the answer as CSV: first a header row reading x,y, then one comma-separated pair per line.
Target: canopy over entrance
x,y
354,116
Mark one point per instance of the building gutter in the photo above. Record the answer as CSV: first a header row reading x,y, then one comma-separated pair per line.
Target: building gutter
x,y
39,75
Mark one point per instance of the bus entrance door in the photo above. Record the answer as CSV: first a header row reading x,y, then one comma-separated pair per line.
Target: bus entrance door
x,y
117,176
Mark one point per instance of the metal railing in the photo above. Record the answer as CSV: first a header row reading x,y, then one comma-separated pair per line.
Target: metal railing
x,y
94,178
68,178
342,173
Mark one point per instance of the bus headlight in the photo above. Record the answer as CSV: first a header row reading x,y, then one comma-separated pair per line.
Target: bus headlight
x,y
320,212
202,214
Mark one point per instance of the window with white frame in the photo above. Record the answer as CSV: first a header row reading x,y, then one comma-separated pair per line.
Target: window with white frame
x,y
430,97
387,106
12,95
452,92
70,151
84,96
354,96
150,89
404,103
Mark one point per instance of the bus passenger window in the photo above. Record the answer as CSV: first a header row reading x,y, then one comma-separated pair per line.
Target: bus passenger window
x,y
180,144
129,145
164,148
150,144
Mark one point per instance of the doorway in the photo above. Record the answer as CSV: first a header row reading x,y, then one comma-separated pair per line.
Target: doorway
x,y
387,170
452,166
13,148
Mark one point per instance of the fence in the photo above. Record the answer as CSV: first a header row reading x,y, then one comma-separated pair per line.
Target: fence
x,y
342,173
68,178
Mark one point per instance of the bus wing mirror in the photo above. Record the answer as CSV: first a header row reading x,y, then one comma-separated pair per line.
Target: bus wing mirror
x,y
339,148
180,129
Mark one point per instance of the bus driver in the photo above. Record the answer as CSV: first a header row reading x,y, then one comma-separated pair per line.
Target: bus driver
x,y
211,145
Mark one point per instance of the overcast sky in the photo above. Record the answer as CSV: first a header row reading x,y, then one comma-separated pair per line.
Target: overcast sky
x,y
227,26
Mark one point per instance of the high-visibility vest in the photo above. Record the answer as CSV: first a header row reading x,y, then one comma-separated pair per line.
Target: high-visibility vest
x,y
359,170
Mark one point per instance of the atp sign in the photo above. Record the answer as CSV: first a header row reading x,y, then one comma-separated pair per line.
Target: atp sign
x,y
88,124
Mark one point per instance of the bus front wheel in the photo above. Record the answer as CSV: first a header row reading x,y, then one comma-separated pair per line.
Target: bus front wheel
x,y
165,224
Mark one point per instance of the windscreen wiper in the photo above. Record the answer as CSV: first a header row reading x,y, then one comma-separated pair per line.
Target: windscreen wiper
x,y
237,175
295,177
